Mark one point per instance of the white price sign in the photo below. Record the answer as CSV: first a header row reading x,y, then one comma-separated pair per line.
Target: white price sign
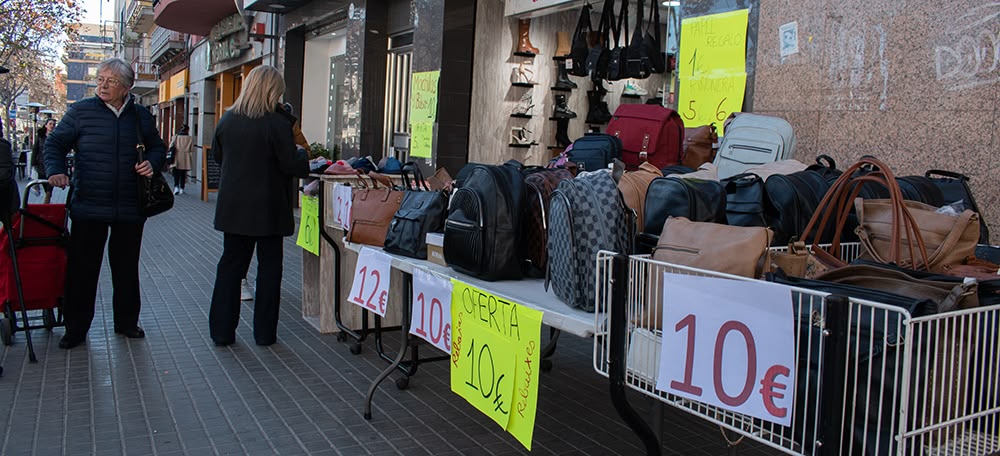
x,y
342,206
370,289
729,343
431,320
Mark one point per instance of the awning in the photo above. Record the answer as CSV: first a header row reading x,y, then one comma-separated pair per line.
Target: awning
x,y
195,17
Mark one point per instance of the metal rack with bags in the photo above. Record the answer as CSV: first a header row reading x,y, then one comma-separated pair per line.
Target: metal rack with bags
x,y
870,377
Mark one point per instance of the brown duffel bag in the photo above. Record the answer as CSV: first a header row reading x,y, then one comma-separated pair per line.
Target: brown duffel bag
x,y
633,185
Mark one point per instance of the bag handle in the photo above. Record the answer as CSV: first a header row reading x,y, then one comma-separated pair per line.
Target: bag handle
x,y
584,19
842,194
948,174
411,168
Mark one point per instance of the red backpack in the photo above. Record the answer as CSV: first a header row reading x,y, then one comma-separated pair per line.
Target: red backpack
x,y
648,133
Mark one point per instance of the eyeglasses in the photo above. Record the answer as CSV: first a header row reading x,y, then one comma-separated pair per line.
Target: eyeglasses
x,y
110,81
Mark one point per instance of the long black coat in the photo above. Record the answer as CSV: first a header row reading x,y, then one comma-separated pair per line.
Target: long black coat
x,y
104,181
258,160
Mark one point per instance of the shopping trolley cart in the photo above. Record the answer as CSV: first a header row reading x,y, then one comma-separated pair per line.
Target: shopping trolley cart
x,y
33,268
872,378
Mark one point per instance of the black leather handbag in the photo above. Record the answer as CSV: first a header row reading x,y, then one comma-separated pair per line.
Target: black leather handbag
x,y
422,211
745,200
698,200
154,194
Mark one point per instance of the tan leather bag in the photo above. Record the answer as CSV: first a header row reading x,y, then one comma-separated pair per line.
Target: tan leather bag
x,y
633,185
700,146
372,209
892,230
736,250
946,240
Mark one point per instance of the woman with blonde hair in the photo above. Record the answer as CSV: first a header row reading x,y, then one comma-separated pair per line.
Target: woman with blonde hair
x,y
256,152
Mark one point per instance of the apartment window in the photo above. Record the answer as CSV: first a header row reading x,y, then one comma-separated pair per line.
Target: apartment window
x,y
399,67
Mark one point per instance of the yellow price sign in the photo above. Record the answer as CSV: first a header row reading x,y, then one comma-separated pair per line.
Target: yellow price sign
x,y
494,357
711,99
308,237
421,139
714,44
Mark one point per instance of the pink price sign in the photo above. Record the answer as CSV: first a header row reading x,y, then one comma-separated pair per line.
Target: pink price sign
x,y
729,343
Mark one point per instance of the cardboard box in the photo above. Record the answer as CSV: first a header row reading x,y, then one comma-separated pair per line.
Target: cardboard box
x,y
435,248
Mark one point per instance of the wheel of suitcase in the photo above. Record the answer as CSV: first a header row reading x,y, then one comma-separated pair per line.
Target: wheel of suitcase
x,y
6,331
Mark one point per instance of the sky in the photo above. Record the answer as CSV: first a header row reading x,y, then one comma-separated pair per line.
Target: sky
x,y
93,13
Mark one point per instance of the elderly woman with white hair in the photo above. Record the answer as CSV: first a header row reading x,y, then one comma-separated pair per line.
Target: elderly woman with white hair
x,y
105,130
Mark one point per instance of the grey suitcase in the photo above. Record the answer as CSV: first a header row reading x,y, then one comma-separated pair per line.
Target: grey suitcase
x,y
586,214
751,140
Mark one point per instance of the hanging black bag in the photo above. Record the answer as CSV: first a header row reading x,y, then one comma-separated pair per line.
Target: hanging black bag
x,y
636,64
601,52
422,211
579,49
154,194
618,54
651,48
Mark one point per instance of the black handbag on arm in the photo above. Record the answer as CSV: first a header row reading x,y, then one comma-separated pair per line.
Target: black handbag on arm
x,y
154,194
422,211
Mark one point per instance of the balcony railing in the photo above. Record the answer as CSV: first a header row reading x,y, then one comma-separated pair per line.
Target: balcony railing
x,y
165,43
140,15
145,70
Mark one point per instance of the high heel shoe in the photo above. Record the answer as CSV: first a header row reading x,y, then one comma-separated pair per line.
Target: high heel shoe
x,y
522,74
519,136
524,106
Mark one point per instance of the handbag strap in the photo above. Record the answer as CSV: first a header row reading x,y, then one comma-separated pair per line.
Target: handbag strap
x,y
654,22
583,25
413,178
140,144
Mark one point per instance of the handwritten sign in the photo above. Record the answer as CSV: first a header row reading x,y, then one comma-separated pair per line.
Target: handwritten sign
x,y
738,353
370,289
421,139
423,112
342,206
431,320
711,99
714,44
494,357
712,67
308,237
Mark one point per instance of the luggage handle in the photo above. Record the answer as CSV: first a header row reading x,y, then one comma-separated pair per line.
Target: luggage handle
x,y
948,174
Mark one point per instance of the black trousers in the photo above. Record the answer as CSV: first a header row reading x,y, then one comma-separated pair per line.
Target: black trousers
x,y
224,315
83,269
180,176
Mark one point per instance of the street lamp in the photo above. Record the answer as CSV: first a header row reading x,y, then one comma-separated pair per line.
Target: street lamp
x,y
33,108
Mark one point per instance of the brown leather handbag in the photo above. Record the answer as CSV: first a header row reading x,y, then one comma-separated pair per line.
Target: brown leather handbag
x,y
891,230
737,250
372,209
633,185
700,145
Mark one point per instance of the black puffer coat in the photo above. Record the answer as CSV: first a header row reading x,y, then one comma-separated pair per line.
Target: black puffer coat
x,y
104,182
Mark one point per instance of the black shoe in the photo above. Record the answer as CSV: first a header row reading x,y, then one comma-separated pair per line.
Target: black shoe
x,y
222,343
67,342
134,333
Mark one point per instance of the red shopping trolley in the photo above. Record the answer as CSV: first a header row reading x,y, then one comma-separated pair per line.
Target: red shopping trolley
x,y
33,268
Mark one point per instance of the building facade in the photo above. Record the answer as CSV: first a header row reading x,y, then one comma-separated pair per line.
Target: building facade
x,y
95,43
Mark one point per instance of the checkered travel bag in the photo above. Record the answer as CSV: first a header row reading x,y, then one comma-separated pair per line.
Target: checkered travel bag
x,y
586,214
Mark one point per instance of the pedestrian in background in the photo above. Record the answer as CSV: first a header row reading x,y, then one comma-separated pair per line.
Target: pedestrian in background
x,y
104,130
181,149
36,155
256,151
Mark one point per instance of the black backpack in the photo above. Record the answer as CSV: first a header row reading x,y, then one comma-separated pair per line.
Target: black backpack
x,y
698,200
594,151
482,234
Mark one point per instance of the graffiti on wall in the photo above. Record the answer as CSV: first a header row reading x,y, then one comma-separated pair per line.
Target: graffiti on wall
x,y
968,54
859,66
